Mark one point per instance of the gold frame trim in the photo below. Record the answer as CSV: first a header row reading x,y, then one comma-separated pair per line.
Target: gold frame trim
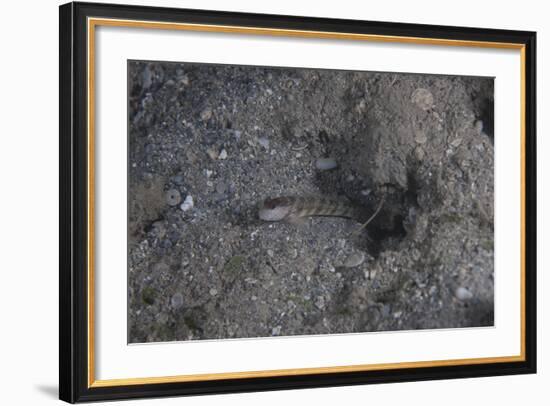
x,y
92,23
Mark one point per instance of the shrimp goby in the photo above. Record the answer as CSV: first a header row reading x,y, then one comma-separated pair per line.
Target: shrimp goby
x,y
292,209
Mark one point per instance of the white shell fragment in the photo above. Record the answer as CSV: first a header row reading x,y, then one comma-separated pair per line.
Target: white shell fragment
x,y
463,294
187,203
325,164
223,154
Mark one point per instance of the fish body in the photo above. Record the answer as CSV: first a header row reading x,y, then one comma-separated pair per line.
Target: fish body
x,y
293,209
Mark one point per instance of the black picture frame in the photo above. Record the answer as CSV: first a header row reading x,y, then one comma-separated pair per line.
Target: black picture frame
x,y
74,385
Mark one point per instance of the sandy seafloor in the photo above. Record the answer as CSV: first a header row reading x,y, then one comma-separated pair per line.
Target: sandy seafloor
x,y
228,137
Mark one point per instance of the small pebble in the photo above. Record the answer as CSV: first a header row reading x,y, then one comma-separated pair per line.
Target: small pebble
x,y
212,153
160,268
325,164
173,197
177,301
147,77
372,274
191,157
264,142
213,292
479,146
270,253
206,114
221,187
219,197
354,260
456,142
423,98
160,230
478,127
385,311
276,331
463,294
419,153
187,203
361,106
420,137
184,80
223,154
320,303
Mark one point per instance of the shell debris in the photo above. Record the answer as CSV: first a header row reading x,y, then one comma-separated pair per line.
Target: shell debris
x,y
187,204
423,98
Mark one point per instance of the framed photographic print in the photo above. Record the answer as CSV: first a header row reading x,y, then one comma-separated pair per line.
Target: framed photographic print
x,y
256,202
